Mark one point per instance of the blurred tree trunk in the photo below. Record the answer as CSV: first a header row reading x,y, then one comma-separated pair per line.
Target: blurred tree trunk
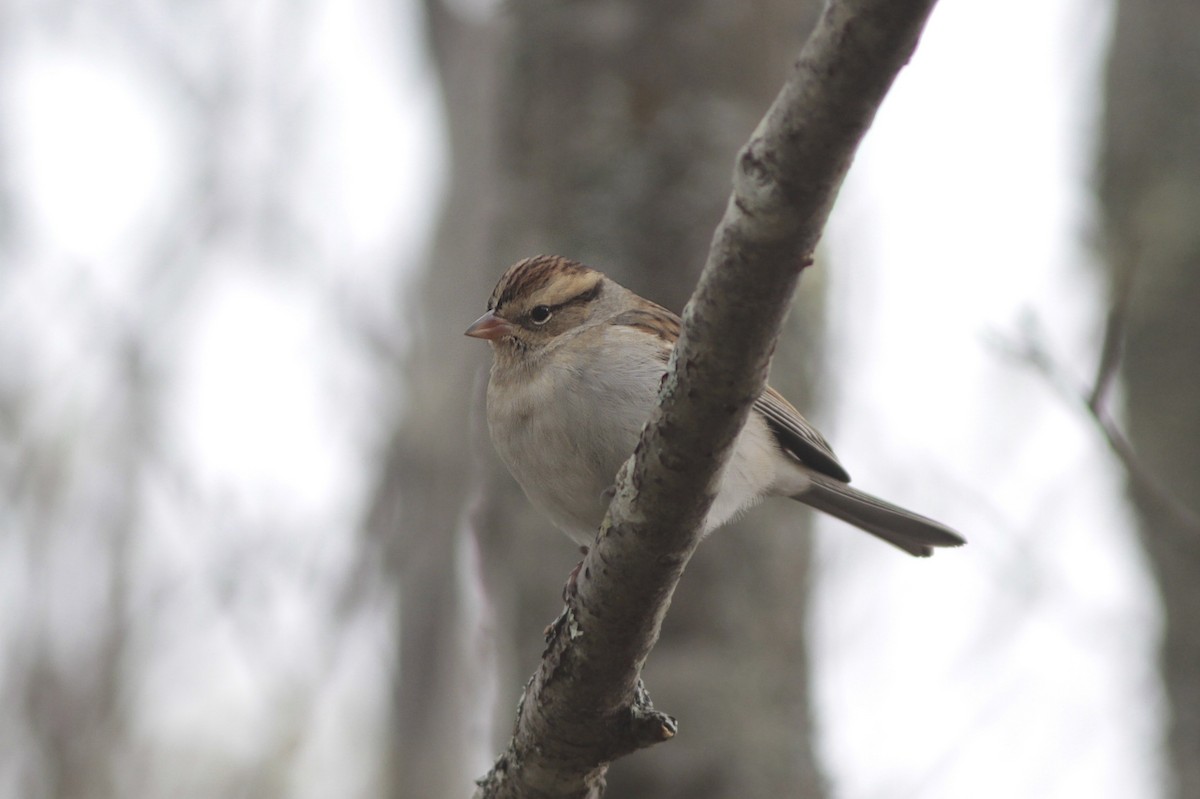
x,y
604,131
1150,190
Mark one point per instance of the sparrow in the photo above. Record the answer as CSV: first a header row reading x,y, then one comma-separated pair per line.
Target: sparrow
x,y
577,363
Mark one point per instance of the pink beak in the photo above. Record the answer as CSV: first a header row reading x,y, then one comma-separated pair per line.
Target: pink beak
x,y
490,327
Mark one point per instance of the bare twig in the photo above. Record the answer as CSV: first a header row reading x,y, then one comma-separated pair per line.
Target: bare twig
x,y
1114,339
1031,351
585,707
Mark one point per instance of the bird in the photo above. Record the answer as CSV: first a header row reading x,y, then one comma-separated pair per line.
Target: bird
x,y
577,363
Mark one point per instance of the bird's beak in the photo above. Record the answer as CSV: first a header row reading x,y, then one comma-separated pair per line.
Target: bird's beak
x,y
490,327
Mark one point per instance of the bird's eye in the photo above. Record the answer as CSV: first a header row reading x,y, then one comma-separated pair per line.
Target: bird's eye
x,y
540,315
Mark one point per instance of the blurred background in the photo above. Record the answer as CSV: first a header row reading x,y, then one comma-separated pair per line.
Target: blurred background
x,y
253,538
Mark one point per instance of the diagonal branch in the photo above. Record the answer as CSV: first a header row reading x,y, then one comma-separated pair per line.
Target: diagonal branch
x,y
585,705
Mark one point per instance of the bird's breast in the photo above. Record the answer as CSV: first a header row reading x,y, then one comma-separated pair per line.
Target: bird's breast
x,y
563,433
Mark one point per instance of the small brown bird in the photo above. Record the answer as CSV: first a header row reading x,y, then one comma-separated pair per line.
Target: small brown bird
x,y
578,360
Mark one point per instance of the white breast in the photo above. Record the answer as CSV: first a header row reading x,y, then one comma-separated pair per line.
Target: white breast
x,y
564,431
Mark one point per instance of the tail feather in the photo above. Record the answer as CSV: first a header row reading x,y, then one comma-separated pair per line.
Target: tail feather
x,y
915,534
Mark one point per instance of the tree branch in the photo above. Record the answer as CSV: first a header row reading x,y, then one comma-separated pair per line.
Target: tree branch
x,y
585,705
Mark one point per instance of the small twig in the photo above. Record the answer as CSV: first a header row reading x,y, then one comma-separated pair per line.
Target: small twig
x,y
1143,478
1114,339
1031,351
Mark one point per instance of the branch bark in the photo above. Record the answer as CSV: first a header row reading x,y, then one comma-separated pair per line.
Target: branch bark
x,y
585,705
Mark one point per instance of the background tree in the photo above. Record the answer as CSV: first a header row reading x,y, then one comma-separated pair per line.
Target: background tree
x,y
1149,169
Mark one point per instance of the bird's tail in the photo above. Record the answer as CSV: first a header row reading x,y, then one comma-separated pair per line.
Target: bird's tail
x,y
915,534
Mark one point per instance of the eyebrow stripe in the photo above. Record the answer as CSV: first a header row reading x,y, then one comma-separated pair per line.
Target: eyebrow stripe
x,y
584,296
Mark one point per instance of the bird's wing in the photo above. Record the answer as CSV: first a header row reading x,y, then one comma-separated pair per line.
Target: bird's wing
x,y
793,432
797,436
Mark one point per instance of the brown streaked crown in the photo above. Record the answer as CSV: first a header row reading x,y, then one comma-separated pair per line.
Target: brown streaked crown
x,y
549,280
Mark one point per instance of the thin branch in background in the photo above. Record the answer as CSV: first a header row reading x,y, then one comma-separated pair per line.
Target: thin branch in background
x,y
1114,338
1031,351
